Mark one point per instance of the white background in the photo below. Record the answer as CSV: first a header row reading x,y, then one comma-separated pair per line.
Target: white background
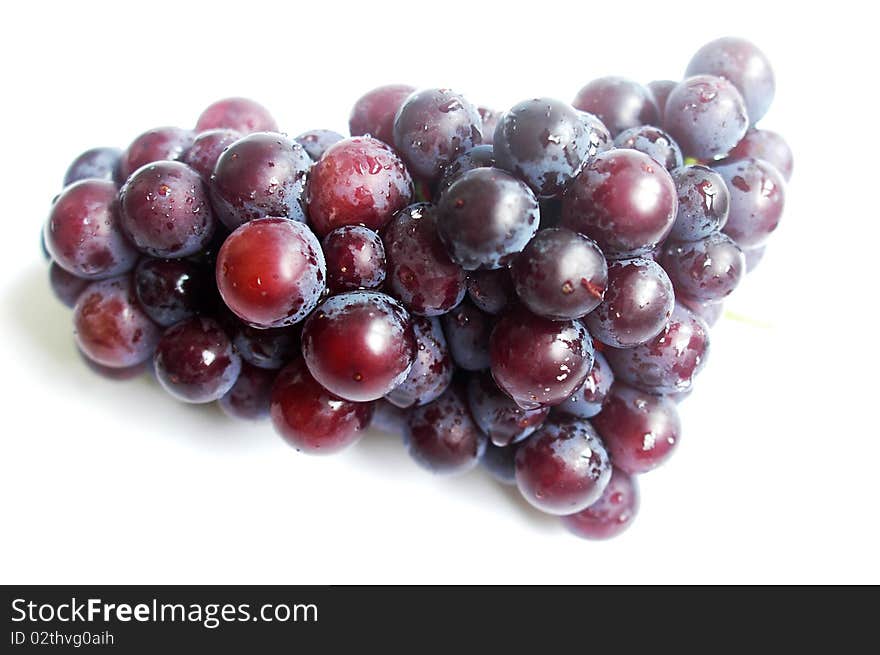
x,y
774,480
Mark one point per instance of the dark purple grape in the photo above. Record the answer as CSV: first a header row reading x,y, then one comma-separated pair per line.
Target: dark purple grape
x,y
67,287
240,114
83,235
640,430
206,149
703,203
539,362
165,211
757,198
599,135
766,145
110,327
619,103
388,418
312,419
420,272
358,181
249,397
638,302
432,128
442,437
500,462
560,275
660,90
171,290
467,331
486,217
707,270
316,142
563,468
355,258
501,419
271,272
94,164
432,370
543,142
611,514
708,312
160,144
482,156
491,291
374,112
706,116
623,200
747,68
668,362
269,348
587,401
260,175
654,142
753,257
489,119
359,345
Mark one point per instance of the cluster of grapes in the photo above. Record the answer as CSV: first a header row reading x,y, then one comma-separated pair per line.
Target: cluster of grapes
x,y
531,290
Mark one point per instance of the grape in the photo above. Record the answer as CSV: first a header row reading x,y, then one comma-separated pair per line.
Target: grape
x,y
374,112
639,429
206,149
116,374
195,361
766,145
249,397
271,272
489,120
486,217
94,164
654,142
83,235
467,331
638,302
753,257
587,401
431,372
599,135
491,291
539,362
611,514
316,142
560,275
706,115
359,345
388,418
707,270
703,203
312,419
623,200
619,103
66,286
660,90
708,312
420,272
164,210
358,181
239,114
355,259
544,143
482,156
269,348
501,419
432,128
668,362
260,175
160,144
757,198
170,290
563,468
500,462
442,437
744,65
111,329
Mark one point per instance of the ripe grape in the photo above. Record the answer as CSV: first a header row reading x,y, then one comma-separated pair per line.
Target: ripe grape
x,y
94,164
355,258
240,114
757,198
171,290
206,149
374,112
654,142
619,103
249,397
707,270
316,142
766,145
587,401
501,419
703,203
432,369
467,331
611,514
491,291
160,144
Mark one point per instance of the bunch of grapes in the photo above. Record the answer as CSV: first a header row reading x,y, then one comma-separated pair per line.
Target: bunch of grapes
x,y
531,290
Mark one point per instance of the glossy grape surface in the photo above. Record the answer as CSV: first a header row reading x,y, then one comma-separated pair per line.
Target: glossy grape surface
x,y
160,144
374,112
501,419
269,348
482,156
206,149
249,397
491,291
619,103
171,290
432,369
660,90
316,142
94,164
757,198
467,331
500,462
240,114
587,401
654,142
707,270
599,135
355,258
611,514
703,203
67,287
766,145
